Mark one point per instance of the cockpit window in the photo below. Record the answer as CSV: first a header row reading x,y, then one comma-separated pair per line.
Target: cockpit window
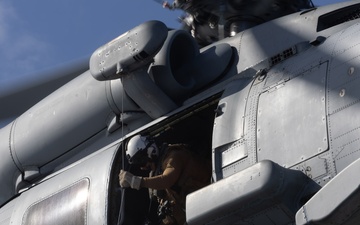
x,y
68,206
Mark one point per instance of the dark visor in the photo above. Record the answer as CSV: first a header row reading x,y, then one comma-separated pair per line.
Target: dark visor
x,y
139,158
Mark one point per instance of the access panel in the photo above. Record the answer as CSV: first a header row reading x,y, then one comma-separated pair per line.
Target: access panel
x,y
291,120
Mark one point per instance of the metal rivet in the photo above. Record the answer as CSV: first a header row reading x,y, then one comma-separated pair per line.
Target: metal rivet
x,y
351,71
342,92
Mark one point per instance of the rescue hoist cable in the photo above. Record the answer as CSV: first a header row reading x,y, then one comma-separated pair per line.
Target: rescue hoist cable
x,y
122,200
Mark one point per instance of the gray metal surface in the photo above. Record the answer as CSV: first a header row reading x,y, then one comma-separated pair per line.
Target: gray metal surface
x,y
228,128
228,124
344,97
256,52
68,206
265,193
286,123
336,203
167,70
129,51
178,68
147,95
301,99
67,118
77,193
269,39
7,211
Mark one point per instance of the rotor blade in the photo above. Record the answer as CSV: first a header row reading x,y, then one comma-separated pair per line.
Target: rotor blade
x,y
17,97
159,1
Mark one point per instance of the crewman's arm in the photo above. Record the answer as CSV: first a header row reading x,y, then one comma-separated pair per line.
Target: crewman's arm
x,y
168,178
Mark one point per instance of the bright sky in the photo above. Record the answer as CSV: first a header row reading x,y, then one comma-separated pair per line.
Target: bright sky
x,y
40,34
43,33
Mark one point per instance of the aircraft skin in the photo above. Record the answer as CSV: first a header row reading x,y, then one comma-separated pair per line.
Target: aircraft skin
x,y
274,108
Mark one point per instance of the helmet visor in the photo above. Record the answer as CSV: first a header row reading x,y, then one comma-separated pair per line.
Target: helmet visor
x,y
140,158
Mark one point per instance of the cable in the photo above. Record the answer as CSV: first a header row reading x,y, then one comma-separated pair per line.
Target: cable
x,y
122,203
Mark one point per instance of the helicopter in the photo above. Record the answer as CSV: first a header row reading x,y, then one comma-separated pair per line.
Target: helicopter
x,y
265,89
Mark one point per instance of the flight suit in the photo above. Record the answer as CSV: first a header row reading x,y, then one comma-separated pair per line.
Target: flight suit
x,y
183,173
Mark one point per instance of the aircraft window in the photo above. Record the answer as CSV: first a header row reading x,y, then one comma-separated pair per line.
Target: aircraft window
x,y
338,17
68,206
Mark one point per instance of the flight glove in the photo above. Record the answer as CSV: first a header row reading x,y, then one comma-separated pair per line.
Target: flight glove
x,y
127,179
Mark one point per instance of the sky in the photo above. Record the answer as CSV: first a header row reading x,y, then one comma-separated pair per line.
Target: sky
x,y
42,34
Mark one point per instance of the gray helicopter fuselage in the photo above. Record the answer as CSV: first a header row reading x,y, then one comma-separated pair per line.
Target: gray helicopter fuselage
x,y
275,108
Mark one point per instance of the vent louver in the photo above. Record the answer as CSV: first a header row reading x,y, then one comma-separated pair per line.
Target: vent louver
x,y
338,17
282,56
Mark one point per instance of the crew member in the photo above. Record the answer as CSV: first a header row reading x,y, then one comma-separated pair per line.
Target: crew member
x,y
182,173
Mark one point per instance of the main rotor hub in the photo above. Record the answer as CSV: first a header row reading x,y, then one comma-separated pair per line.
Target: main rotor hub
x,y
210,18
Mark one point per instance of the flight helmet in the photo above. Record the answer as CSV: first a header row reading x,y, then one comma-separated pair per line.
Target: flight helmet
x,y
141,149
